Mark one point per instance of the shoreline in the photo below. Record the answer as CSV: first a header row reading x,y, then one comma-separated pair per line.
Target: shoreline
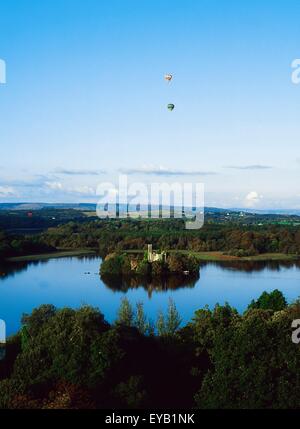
x,y
218,256
202,256
263,257
52,255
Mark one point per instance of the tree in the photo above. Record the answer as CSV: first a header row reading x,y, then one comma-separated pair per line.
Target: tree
x,y
173,319
112,266
39,316
158,268
131,393
176,263
160,324
254,363
167,326
140,319
270,301
105,355
143,268
125,313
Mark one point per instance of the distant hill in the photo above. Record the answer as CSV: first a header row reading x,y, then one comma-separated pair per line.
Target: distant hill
x,y
92,207
40,206
287,212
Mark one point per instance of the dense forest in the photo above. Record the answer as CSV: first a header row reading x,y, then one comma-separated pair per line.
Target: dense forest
x,y
116,235
74,359
107,236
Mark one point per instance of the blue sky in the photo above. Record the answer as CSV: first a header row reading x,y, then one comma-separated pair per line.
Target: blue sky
x,y
85,98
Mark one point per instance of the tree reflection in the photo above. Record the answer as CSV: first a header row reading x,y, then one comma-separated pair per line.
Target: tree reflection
x,y
8,269
155,284
254,266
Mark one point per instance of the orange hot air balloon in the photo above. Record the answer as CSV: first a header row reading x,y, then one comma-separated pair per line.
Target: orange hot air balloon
x,y
168,77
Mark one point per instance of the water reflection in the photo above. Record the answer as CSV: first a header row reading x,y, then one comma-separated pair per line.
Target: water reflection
x,y
172,282
9,269
162,284
254,266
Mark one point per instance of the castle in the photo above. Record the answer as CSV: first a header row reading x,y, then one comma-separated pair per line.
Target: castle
x,y
154,256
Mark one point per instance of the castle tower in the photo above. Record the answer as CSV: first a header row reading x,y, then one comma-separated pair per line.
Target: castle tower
x,y
149,252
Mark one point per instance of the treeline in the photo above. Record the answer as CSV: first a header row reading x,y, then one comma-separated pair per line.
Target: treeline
x,y
74,359
14,220
108,236
116,235
18,245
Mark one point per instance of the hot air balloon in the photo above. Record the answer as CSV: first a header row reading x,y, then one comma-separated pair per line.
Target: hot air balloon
x,y
171,107
168,77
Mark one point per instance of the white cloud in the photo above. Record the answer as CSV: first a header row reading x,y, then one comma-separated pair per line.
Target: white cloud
x,y
82,190
250,167
164,171
67,172
55,186
78,190
7,191
252,199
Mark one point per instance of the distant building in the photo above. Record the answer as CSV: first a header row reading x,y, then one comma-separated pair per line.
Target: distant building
x,y
155,256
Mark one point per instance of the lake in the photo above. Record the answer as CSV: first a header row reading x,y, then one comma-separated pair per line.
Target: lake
x,y
75,281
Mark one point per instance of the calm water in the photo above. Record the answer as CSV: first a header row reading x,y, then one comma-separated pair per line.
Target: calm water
x,y
75,281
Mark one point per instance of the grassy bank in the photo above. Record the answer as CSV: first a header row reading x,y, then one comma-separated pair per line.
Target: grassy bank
x,y
203,256
52,255
220,256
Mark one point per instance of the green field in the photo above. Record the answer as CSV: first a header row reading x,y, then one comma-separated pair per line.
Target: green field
x,y
220,256
203,256
59,254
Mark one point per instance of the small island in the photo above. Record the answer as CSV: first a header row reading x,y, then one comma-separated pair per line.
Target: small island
x,y
152,265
